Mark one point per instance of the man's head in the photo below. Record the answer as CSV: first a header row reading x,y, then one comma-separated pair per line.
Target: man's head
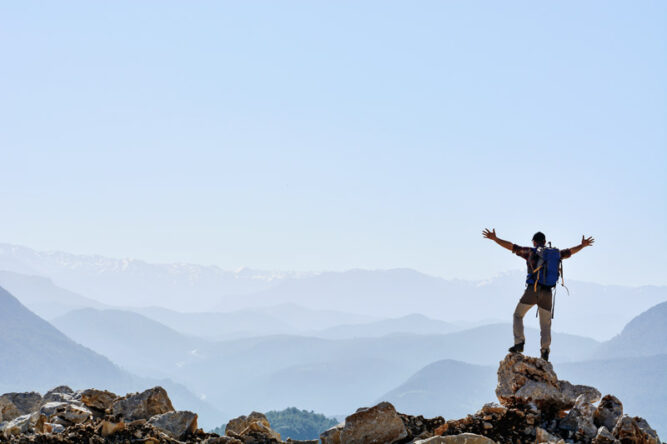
x,y
539,239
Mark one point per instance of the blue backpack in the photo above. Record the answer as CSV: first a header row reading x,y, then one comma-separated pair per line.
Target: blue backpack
x,y
548,268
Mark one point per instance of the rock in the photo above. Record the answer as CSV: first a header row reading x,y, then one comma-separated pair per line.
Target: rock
x,y
254,424
634,430
53,428
298,441
108,428
579,425
25,402
100,400
379,424
62,393
30,423
241,423
332,435
651,435
491,408
65,413
51,408
8,410
608,412
524,380
463,438
542,435
419,427
604,436
143,405
178,425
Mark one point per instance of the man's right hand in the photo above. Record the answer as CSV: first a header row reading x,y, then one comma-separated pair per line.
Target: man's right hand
x,y
490,234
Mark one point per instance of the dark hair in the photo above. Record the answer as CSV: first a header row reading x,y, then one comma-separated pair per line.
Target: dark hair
x,y
540,238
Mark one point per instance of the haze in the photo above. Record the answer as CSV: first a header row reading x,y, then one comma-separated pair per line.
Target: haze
x,y
331,136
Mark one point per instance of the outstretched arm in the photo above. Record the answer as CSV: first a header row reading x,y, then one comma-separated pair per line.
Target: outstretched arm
x,y
491,234
585,242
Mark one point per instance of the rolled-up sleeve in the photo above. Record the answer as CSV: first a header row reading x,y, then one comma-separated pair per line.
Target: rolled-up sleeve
x,y
564,254
523,252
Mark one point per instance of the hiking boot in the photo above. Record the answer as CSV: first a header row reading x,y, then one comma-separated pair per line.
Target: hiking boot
x,y
516,348
545,354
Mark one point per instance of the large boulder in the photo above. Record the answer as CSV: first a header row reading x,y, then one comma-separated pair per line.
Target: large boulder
x,y
523,380
608,412
8,410
99,400
29,423
62,393
65,413
463,438
651,436
143,405
332,435
630,430
24,402
178,425
380,424
579,425
254,426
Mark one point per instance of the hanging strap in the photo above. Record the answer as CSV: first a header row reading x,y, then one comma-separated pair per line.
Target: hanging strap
x,y
537,277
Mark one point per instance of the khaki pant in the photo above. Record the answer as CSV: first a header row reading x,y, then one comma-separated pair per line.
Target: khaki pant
x,y
541,297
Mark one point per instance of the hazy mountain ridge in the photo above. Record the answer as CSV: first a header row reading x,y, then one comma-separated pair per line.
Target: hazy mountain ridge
x,y
42,296
640,337
140,345
119,282
264,321
34,355
373,293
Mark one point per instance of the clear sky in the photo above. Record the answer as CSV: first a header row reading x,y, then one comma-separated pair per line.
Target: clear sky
x,y
332,135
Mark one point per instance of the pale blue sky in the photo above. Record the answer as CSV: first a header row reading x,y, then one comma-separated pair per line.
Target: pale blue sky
x,y
332,135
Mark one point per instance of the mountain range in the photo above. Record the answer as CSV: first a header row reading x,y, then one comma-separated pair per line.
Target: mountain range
x,y
373,294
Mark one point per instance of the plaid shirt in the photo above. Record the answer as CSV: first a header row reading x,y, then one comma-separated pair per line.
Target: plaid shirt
x,y
531,259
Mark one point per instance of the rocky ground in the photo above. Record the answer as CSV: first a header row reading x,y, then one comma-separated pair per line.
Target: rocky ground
x,y
535,407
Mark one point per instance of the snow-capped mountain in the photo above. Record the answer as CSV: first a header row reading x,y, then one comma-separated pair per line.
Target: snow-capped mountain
x,y
133,282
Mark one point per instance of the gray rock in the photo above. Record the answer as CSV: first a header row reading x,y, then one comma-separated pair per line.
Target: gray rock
x,y
604,436
61,393
178,425
380,424
580,424
143,405
608,412
651,435
525,380
65,413
25,402
8,410
51,408
29,423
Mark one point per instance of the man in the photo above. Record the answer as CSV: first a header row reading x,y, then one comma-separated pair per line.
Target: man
x,y
535,293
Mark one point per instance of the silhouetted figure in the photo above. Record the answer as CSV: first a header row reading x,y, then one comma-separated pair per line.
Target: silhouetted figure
x,y
544,269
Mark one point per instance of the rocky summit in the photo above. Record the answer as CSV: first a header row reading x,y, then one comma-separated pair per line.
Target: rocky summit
x,y
534,407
